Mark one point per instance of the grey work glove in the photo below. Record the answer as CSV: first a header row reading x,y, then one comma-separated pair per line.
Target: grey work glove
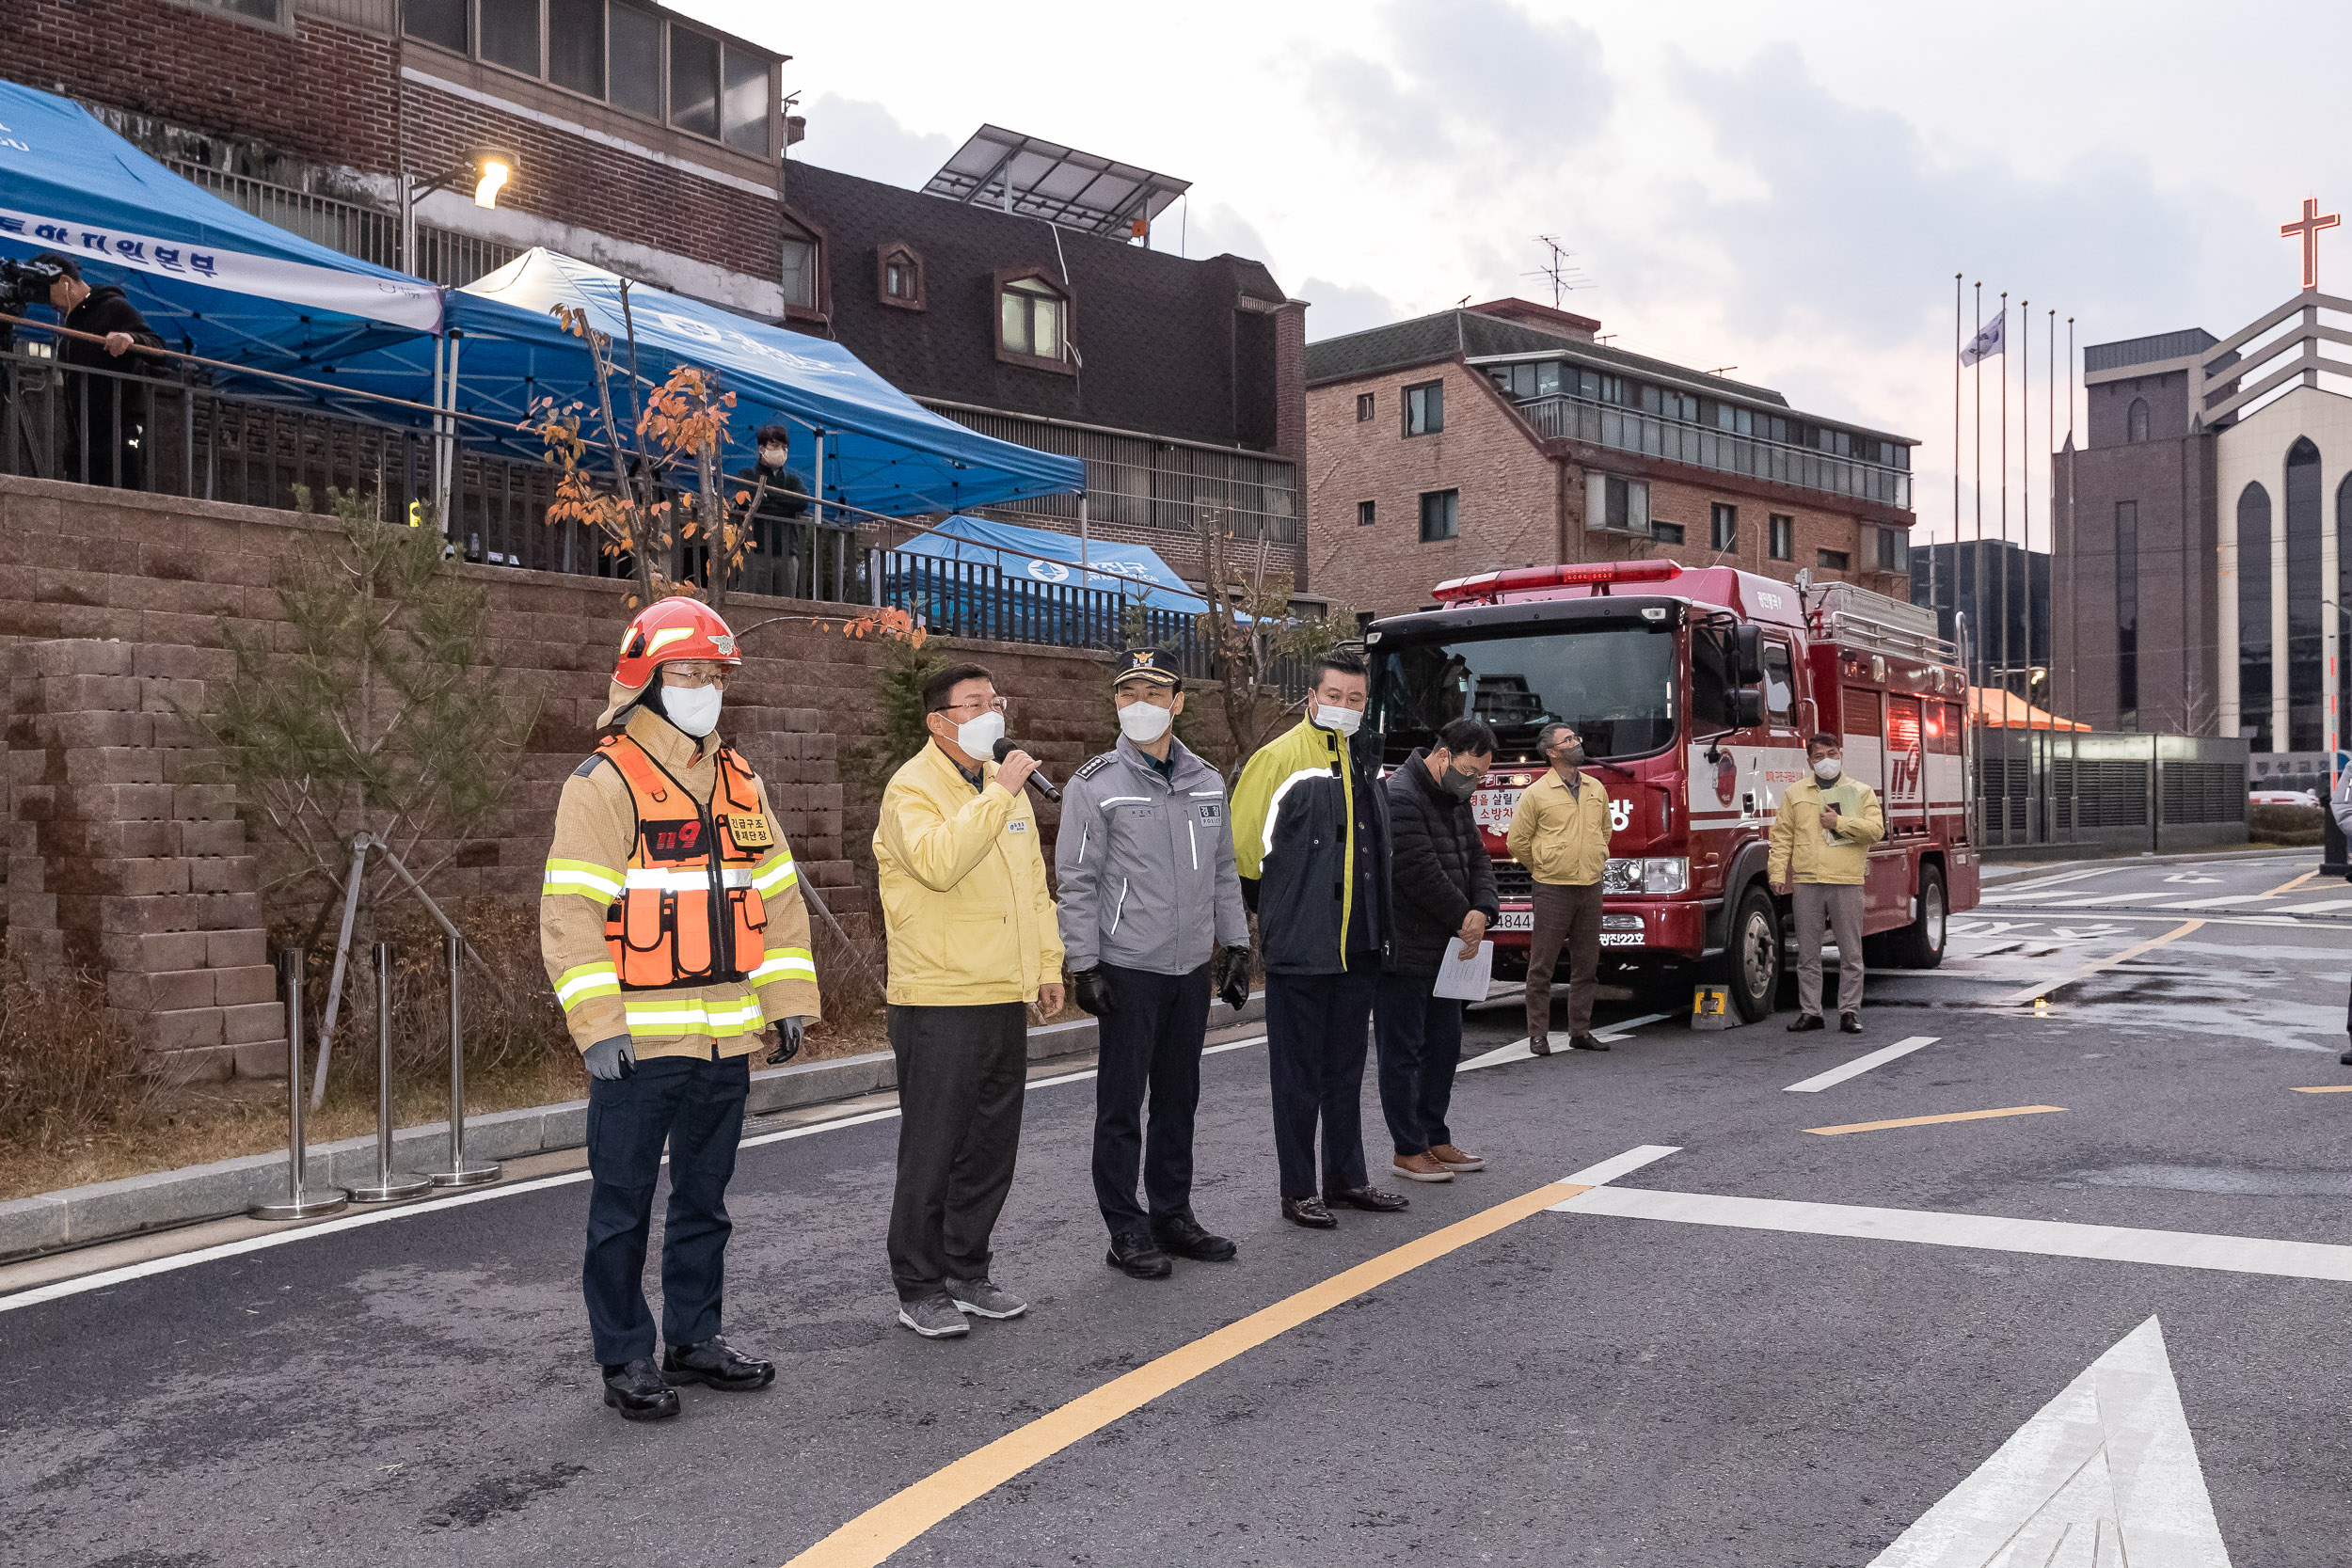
x,y
788,1032
611,1058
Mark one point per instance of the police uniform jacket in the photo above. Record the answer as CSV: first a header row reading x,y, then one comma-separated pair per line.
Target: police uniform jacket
x,y
1145,864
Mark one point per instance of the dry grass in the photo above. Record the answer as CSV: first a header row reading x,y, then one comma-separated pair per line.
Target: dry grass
x,y
2297,826
75,1107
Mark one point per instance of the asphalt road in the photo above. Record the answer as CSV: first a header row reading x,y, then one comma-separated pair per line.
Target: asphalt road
x,y
1727,1355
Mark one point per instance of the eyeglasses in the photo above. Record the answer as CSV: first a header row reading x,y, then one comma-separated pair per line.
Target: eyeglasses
x,y
694,675
978,706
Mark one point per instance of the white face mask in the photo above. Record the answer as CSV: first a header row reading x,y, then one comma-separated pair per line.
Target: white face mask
x,y
1144,723
978,737
775,456
693,710
1344,720
1828,769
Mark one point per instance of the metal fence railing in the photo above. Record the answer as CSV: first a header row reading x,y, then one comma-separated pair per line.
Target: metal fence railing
x,y
444,256
1631,430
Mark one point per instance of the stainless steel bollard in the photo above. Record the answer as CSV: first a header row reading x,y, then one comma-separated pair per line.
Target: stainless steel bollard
x,y
459,1173
388,1183
301,1203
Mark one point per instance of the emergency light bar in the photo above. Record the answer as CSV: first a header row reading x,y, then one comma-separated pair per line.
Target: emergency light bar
x,y
1489,585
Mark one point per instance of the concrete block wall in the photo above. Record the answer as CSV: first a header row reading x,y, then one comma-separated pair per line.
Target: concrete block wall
x,y
122,863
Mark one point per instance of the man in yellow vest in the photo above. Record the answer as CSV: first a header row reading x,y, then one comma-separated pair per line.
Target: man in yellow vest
x,y
973,943
1560,833
1821,838
673,929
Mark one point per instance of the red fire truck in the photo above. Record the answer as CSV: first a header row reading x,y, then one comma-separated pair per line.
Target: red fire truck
x,y
1693,689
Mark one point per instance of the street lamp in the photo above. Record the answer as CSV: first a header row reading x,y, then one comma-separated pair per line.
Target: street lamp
x,y
490,169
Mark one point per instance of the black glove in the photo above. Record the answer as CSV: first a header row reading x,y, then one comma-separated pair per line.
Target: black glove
x,y
1233,977
787,1040
1091,990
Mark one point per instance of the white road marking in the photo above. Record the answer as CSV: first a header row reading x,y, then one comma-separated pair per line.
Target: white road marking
x,y
1517,1051
2211,903
2007,888
1861,1065
1620,1031
2105,1473
1616,1166
2191,877
1989,1233
2317,907
108,1278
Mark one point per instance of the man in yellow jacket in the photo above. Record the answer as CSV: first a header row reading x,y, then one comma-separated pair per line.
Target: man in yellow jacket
x,y
973,943
1560,833
1821,838
673,929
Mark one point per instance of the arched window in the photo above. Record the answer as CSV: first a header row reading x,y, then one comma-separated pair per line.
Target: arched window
x,y
2135,420
2307,713
899,274
2253,613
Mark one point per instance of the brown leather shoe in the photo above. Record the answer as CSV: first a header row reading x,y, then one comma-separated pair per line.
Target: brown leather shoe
x,y
1456,1159
1420,1167
1538,1045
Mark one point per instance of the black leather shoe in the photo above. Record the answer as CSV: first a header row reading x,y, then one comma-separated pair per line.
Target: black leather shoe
x,y
1186,1239
1807,1021
1587,1042
1372,1200
1135,1255
1310,1212
638,1391
2346,1059
716,1364
1538,1045
1850,1023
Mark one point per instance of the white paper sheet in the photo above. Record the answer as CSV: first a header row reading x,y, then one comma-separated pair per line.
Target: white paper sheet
x,y
1466,980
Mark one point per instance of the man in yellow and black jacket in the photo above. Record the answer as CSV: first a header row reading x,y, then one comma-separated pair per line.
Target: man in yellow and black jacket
x,y
1821,838
675,935
1311,837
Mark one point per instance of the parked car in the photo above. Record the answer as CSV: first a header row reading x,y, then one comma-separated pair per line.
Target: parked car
x,y
2283,797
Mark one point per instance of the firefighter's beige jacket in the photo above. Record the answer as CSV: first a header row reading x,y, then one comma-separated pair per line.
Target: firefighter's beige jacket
x,y
596,831
1800,847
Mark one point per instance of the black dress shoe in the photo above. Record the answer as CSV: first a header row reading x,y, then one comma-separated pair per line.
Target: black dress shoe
x,y
1538,1046
2346,1059
1135,1255
1186,1239
1310,1212
1805,1022
638,1391
1850,1023
716,1364
1372,1200
1587,1042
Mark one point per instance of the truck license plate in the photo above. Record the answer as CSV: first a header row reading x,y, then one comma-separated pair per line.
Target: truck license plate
x,y
1515,920
1621,938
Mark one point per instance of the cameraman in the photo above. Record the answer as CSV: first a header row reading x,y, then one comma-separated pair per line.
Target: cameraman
x,y
105,416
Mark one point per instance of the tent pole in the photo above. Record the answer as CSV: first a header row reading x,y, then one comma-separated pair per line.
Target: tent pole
x,y
449,437
440,347
1083,554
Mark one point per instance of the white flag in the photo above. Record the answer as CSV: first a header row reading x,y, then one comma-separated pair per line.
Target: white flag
x,y
1987,343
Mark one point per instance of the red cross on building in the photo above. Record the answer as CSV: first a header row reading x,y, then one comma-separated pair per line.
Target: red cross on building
x,y
2312,222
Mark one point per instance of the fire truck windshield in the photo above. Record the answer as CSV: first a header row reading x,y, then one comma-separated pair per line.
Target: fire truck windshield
x,y
1615,684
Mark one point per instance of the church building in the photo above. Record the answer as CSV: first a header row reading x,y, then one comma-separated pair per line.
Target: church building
x,y
2206,531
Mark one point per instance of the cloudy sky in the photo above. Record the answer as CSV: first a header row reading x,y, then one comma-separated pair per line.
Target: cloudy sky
x,y
1783,189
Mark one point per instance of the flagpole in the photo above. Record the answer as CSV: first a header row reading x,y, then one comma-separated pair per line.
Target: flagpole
x,y
2003,557
2049,443
2025,495
1958,343
1976,551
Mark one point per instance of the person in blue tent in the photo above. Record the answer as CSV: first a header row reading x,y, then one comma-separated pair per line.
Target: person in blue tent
x,y
785,502
106,415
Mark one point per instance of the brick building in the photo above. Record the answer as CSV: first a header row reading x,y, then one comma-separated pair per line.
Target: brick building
x,y
1505,434
645,142
1180,382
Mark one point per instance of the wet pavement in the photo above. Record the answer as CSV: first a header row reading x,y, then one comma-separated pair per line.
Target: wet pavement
x,y
1787,1329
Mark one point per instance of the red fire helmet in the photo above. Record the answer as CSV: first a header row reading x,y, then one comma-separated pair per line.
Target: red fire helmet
x,y
673,629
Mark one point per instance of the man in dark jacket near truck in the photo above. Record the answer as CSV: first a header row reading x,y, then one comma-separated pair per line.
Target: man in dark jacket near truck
x,y
1443,885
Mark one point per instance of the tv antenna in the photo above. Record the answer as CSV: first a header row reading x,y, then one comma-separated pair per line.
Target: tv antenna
x,y
1565,276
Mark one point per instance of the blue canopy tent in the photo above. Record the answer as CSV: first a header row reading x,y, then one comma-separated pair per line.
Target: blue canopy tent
x,y
1044,556
210,277
882,452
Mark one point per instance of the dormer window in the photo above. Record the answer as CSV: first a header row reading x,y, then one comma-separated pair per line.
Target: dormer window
x,y
898,276
1032,321
801,253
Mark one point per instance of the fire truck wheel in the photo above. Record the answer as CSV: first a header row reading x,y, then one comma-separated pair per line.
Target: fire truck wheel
x,y
1920,944
1751,963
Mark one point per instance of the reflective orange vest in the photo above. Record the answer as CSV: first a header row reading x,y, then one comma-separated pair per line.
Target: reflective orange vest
x,y
688,913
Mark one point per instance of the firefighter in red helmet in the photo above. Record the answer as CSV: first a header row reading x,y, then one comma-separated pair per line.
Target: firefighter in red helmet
x,y
675,935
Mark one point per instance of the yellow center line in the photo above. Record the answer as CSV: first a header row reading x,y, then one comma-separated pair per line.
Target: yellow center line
x,y
1930,1121
2328,1089
2046,987
873,1535
2290,887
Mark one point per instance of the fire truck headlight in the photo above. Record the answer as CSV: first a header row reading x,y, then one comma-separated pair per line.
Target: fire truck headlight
x,y
1621,876
1671,874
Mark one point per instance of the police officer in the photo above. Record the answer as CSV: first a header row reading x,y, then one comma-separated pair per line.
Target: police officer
x,y
1149,895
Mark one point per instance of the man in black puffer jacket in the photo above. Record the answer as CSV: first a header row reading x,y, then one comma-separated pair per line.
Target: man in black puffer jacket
x,y
1444,893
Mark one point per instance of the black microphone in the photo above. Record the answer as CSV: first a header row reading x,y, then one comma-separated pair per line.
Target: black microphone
x,y
1039,782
